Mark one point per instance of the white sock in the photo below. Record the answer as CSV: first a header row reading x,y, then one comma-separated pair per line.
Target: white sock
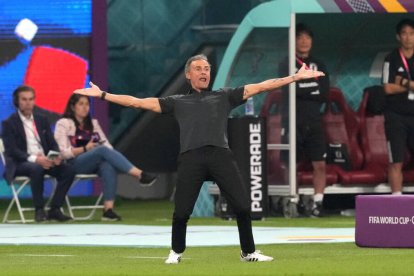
x,y
318,197
397,193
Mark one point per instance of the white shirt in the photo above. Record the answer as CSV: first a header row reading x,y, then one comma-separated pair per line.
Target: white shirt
x,y
65,128
34,147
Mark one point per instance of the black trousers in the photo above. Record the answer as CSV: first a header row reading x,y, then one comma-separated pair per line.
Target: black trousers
x,y
194,167
63,173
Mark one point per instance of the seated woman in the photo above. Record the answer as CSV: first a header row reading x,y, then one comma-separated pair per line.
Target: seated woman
x,y
83,143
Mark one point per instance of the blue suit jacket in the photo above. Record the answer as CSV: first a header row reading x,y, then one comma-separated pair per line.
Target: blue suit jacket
x,y
15,144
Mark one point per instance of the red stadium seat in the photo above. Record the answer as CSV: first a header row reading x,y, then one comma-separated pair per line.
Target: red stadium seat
x,y
54,74
341,125
374,146
277,170
362,133
305,174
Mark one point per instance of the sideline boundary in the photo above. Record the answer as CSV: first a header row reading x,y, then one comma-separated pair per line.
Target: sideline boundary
x,y
160,236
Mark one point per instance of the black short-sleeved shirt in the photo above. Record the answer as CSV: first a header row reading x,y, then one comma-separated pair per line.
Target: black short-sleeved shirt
x,y
202,116
394,66
310,93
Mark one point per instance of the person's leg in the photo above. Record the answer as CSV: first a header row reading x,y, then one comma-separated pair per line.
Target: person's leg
x,y
116,159
315,148
319,176
109,176
94,161
36,174
87,163
397,133
395,177
319,184
191,174
223,168
64,174
120,163
410,130
410,140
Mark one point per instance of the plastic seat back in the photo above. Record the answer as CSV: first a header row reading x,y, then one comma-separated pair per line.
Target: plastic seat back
x,y
341,126
373,139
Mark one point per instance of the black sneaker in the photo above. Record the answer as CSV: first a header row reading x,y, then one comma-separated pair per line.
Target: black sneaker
x,y
110,215
317,210
147,179
40,215
56,214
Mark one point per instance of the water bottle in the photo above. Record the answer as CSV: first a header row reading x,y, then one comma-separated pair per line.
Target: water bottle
x,y
249,107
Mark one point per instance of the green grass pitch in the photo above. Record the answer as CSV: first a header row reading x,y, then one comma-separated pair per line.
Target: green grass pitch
x,y
290,259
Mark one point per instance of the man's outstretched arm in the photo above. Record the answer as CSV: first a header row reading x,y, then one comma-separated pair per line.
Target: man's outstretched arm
x,y
151,104
267,85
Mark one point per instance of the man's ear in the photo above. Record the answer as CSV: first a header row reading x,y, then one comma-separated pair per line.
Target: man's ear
x,y
398,37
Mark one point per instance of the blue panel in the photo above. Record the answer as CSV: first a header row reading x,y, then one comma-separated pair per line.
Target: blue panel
x,y
62,24
82,188
58,21
11,76
85,188
54,17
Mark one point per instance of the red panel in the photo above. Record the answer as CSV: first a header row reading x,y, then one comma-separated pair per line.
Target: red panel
x,y
54,74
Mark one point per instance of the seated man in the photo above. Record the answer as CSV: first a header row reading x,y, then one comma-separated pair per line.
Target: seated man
x,y
27,138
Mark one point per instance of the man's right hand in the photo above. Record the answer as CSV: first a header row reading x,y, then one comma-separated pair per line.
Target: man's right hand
x,y
90,145
306,73
44,162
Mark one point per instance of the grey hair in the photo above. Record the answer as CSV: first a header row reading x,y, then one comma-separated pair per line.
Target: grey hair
x,y
193,58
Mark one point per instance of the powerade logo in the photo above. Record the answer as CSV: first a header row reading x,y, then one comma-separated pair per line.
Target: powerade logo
x,y
256,179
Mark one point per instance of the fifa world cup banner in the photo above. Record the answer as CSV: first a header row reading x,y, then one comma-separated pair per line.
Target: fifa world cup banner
x,y
384,221
247,140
